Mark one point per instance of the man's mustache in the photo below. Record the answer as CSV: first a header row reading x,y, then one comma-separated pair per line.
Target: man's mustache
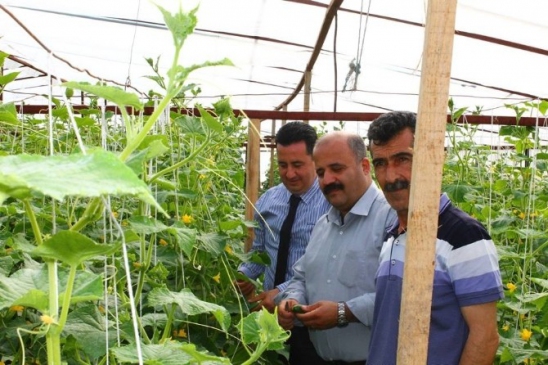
x,y
331,187
396,185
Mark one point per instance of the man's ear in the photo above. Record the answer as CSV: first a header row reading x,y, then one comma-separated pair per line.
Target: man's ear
x,y
366,165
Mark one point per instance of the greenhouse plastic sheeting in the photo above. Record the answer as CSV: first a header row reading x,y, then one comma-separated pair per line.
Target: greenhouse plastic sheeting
x,y
270,43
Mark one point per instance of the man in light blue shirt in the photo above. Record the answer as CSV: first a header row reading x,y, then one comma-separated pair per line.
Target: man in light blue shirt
x,y
294,145
333,284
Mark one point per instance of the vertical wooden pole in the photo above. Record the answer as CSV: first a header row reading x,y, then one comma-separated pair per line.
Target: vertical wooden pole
x,y
426,183
307,81
252,177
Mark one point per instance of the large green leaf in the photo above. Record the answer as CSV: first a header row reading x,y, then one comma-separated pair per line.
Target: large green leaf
x,y
87,325
110,93
87,286
7,78
8,114
96,174
169,353
209,120
189,304
154,320
17,286
201,357
213,243
146,225
28,287
262,327
185,237
72,248
34,298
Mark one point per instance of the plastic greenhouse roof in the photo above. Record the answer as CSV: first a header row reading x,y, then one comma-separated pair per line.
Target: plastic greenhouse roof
x,y
500,50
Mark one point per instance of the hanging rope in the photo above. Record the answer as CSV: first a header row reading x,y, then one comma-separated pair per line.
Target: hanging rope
x,y
355,64
128,79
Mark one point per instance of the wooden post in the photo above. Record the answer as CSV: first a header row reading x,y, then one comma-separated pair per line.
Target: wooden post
x,y
252,177
307,81
426,183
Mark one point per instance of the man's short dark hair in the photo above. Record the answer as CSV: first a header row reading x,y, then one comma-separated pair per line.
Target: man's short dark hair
x,y
294,132
389,125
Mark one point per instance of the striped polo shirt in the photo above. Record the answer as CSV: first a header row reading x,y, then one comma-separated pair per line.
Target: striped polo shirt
x,y
466,273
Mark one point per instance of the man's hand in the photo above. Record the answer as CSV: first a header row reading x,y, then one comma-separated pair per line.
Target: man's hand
x,y
285,315
246,287
321,315
265,299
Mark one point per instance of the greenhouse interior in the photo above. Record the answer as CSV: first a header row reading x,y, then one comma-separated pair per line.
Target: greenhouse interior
x,y
139,142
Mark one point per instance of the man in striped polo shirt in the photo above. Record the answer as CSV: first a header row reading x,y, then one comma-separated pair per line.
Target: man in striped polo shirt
x,y
467,282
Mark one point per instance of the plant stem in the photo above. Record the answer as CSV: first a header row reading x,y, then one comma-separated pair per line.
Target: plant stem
x,y
53,336
256,354
174,167
33,222
90,214
169,323
67,297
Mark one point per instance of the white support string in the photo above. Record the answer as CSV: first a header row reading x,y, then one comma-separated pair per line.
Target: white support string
x,y
74,125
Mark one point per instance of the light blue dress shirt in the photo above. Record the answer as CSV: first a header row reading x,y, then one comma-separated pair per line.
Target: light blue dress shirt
x,y
271,210
340,264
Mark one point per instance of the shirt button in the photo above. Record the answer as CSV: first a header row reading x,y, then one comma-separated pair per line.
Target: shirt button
x,y
341,232
393,262
328,281
334,256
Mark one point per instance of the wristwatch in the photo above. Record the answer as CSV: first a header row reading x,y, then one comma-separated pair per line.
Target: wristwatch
x,y
341,315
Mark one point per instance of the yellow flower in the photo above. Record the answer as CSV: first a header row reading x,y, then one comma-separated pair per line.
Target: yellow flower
x,y
46,319
17,308
228,250
124,223
526,334
115,214
511,287
187,219
162,242
181,333
217,278
521,215
101,309
506,327
137,265
202,176
2,363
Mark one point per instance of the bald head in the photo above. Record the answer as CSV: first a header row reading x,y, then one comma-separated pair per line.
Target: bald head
x,y
342,168
355,142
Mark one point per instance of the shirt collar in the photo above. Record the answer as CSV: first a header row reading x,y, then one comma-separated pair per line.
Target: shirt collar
x,y
445,202
362,206
310,194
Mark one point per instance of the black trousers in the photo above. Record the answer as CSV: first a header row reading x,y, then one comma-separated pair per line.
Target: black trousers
x,y
301,349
